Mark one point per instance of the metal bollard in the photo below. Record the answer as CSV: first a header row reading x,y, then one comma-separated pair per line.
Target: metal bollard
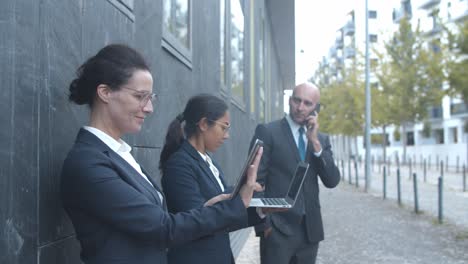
x,y
389,167
349,171
425,170
384,183
440,216
342,169
429,163
356,174
464,178
441,169
458,164
415,188
398,187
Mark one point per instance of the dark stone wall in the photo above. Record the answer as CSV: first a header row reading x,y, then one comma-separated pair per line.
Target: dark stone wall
x,y
42,44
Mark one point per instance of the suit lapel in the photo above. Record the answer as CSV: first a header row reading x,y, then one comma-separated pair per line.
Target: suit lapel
x,y
221,177
286,129
202,163
127,172
156,186
130,173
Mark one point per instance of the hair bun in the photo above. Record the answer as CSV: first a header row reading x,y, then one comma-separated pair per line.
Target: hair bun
x,y
76,95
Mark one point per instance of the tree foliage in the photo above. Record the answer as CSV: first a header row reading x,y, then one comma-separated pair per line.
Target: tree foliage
x,y
414,74
458,66
343,105
411,76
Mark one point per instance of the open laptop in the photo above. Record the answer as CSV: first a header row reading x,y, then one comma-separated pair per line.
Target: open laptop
x,y
291,195
243,176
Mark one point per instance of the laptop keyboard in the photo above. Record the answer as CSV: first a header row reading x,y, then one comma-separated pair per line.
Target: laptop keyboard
x,y
274,201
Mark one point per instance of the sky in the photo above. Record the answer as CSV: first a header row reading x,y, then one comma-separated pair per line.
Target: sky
x,y
316,26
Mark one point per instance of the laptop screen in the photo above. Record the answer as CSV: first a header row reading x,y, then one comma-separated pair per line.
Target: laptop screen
x,y
296,183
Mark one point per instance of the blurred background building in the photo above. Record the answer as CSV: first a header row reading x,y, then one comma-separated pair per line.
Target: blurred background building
x,y
443,131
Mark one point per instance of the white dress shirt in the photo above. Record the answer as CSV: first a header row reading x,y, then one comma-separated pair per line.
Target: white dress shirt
x,y
122,149
213,169
295,131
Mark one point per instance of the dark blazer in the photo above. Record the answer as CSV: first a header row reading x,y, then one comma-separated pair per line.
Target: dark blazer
x,y
279,160
188,183
118,216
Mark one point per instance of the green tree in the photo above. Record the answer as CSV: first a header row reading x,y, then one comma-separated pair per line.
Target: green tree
x,y
415,76
458,65
383,100
343,102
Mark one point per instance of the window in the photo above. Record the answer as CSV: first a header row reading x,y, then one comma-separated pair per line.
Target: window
x,y
177,35
125,6
222,45
410,138
435,45
128,3
454,135
373,63
253,58
439,136
261,69
372,14
373,38
407,8
378,139
237,50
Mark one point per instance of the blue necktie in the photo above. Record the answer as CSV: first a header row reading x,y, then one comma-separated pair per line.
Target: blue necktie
x,y
301,144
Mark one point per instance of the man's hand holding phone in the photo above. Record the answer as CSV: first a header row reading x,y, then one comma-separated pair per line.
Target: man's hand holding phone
x,y
312,125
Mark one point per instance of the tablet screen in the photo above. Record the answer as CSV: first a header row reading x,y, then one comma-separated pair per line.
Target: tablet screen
x,y
243,176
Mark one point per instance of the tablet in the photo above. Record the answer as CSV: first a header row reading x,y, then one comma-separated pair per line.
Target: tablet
x,y
243,176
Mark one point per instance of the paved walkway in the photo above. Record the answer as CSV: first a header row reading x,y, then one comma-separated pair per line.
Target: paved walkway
x,y
363,228
250,252
455,201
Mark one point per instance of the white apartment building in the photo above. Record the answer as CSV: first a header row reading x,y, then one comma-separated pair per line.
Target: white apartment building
x,y
448,140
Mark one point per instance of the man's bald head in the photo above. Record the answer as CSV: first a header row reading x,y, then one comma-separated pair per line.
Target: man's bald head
x,y
302,102
310,88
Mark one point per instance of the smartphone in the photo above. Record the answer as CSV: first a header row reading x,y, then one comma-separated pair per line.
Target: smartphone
x,y
316,110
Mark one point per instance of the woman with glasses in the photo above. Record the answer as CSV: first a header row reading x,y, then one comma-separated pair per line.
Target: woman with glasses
x,y
117,209
191,176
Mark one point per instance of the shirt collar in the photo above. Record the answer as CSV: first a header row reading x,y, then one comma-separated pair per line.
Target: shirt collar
x,y
205,157
293,125
117,146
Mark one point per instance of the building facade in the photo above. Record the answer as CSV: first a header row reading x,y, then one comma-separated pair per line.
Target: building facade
x,y
238,50
447,139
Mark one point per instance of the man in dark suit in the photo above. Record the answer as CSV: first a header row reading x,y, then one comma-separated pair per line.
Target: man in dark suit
x,y
293,236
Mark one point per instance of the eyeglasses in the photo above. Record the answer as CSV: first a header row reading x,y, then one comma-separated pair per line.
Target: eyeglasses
x,y
143,97
224,126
